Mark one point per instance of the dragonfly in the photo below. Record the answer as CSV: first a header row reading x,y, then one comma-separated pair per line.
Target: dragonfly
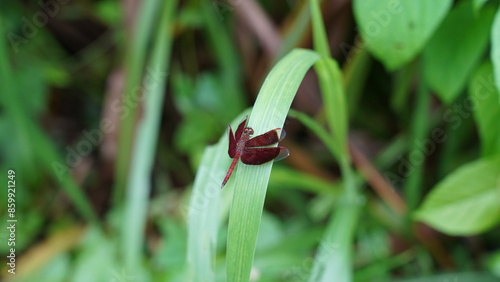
x,y
253,151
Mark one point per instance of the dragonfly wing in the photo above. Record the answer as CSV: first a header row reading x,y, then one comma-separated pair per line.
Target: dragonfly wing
x,y
233,139
283,154
257,156
240,129
283,134
266,139
232,143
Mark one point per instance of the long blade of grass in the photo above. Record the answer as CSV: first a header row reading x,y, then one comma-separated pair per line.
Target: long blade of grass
x,y
333,93
250,183
316,128
285,178
204,211
135,58
331,84
356,72
203,220
333,259
419,131
138,185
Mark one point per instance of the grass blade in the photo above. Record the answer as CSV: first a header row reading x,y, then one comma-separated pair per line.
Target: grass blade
x,y
316,128
138,185
250,183
333,260
204,210
419,131
134,66
203,217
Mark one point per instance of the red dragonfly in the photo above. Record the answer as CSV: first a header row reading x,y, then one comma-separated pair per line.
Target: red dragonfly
x,y
252,151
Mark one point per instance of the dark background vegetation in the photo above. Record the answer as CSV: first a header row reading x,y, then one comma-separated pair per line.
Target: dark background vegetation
x,y
62,78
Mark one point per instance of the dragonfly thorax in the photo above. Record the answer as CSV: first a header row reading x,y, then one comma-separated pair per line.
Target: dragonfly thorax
x,y
247,132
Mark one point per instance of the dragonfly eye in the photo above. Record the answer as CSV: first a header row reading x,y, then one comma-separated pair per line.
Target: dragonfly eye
x,y
249,130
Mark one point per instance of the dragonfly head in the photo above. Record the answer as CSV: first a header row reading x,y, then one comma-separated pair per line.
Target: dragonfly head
x,y
248,130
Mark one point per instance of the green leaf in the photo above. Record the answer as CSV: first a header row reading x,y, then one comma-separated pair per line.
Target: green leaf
x,y
495,49
455,49
250,183
396,31
486,109
478,4
465,202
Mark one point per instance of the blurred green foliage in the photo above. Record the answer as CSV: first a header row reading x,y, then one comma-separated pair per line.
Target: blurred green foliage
x,y
410,107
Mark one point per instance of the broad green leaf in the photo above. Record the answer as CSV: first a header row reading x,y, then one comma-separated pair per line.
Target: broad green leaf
x,y
495,49
467,201
483,99
396,31
493,263
250,182
455,49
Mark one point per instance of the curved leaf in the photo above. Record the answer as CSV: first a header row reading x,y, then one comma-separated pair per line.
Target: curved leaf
x,y
250,181
495,49
396,31
486,109
467,201
455,49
